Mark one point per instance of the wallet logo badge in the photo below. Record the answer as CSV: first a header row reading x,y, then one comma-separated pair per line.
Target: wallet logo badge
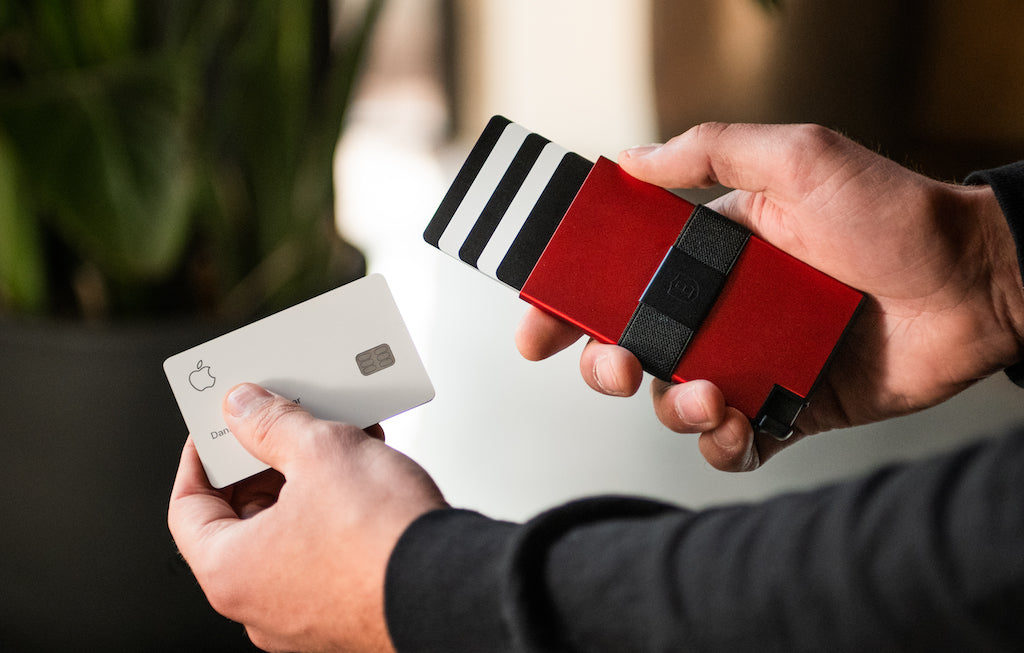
x,y
201,378
684,288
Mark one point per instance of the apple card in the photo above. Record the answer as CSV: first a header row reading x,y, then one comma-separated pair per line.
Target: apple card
x,y
345,355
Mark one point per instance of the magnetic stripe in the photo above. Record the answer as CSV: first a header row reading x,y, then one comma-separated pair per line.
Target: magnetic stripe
x,y
519,209
497,208
552,205
460,186
482,188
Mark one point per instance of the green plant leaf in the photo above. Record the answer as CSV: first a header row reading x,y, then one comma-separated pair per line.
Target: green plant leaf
x,y
22,265
108,153
181,149
144,174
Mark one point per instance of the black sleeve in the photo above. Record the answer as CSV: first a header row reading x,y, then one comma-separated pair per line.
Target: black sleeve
x,y
1007,183
921,557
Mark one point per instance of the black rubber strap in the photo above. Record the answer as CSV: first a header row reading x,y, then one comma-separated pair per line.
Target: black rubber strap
x,y
779,412
683,290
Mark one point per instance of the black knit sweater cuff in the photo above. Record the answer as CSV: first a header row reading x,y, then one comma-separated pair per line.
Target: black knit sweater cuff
x,y
1007,183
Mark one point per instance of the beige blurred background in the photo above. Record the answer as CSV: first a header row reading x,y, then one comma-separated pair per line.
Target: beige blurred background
x,y
934,85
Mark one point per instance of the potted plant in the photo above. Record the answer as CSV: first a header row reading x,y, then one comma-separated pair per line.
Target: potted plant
x,y
165,174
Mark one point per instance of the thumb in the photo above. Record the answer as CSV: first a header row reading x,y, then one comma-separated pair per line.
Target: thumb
x,y
267,425
735,156
747,157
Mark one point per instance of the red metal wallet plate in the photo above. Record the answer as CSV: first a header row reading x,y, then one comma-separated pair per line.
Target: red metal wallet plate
x,y
776,321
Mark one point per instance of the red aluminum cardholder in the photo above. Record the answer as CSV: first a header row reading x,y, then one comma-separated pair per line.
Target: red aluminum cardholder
x,y
774,325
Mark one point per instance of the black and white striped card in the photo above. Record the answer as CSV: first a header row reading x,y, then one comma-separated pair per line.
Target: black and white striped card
x,y
507,201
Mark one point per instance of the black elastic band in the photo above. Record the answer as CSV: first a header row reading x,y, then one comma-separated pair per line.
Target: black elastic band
x,y
683,291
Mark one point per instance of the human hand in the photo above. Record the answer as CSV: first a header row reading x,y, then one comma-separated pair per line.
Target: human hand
x,y
944,305
299,556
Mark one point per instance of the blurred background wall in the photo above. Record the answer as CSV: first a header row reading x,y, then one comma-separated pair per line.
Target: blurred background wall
x,y
935,85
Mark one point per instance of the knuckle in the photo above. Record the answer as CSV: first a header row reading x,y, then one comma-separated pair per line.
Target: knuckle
x,y
804,149
710,137
812,137
221,595
259,639
270,417
711,129
809,142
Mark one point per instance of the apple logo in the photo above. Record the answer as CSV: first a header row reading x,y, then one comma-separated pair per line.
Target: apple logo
x,y
200,378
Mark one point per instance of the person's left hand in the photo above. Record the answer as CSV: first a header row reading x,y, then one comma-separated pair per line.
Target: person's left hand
x,y
299,557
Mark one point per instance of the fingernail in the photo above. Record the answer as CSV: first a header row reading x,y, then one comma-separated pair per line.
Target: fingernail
x,y
725,439
729,440
642,150
694,413
246,398
603,371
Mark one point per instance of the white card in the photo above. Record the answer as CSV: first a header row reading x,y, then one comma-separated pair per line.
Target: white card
x,y
345,355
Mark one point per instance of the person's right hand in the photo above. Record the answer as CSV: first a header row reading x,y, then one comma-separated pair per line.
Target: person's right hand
x,y
945,305
299,555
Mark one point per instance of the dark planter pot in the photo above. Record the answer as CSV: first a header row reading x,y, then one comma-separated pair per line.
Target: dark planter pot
x,y
91,438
